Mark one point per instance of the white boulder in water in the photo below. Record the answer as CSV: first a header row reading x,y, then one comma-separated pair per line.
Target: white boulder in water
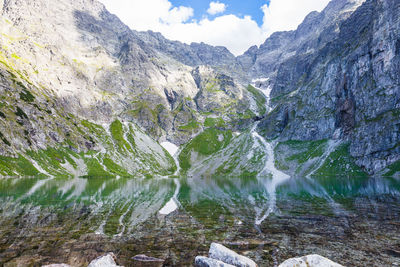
x,y
201,261
104,261
146,261
221,253
310,261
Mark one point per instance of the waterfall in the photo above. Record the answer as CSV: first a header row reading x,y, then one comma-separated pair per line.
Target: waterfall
x,y
270,185
278,177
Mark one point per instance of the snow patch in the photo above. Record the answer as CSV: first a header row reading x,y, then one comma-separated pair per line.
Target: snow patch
x,y
266,91
39,168
170,147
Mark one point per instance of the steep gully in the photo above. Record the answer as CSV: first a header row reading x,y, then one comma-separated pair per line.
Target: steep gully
x,y
277,178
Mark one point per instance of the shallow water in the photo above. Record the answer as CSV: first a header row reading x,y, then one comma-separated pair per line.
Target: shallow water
x,y
354,221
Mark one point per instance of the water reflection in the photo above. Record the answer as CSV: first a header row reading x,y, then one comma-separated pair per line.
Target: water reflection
x,y
116,206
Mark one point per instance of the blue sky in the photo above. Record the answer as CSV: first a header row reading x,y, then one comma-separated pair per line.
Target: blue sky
x,y
236,7
235,24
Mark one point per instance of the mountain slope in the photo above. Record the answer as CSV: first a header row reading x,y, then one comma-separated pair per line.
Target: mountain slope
x,y
102,69
76,81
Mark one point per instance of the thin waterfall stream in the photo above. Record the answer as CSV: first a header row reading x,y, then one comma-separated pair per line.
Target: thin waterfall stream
x,y
173,204
270,184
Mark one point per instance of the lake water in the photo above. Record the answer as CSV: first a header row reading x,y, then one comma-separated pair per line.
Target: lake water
x,y
353,221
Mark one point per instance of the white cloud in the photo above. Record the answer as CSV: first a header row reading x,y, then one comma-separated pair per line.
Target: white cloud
x,y
148,15
178,15
216,8
235,33
283,15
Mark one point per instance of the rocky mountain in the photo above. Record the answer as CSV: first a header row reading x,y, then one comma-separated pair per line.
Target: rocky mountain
x,y
84,94
196,54
75,78
333,90
342,82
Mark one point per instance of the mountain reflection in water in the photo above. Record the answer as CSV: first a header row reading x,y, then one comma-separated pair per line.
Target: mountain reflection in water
x,y
215,208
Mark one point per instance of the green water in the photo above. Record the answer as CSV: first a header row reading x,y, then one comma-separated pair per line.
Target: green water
x,y
70,220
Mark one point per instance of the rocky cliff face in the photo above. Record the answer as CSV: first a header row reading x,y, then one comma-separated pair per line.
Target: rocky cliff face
x,y
343,82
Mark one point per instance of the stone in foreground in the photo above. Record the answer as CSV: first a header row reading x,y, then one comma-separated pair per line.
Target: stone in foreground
x,y
201,261
310,261
221,253
104,261
145,261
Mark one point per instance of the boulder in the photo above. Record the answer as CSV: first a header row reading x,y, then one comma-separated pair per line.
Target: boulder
x,y
221,253
145,261
310,261
104,261
201,261
57,265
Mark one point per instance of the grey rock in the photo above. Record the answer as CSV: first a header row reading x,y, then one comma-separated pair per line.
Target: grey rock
x,y
201,261
145,261
221,253
104,261
310,261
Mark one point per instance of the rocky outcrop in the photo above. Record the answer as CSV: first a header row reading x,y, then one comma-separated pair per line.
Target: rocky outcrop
x,y
309,261
195,54
316,30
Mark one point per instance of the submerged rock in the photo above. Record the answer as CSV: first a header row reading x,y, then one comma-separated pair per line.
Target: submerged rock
x,y
145,261
105,261
201,261
310,261
221,253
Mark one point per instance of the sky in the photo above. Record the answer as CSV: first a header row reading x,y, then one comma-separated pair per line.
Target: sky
x,y
235,24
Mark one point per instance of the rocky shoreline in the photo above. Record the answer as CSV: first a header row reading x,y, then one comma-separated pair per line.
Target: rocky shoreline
x,y
218,256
